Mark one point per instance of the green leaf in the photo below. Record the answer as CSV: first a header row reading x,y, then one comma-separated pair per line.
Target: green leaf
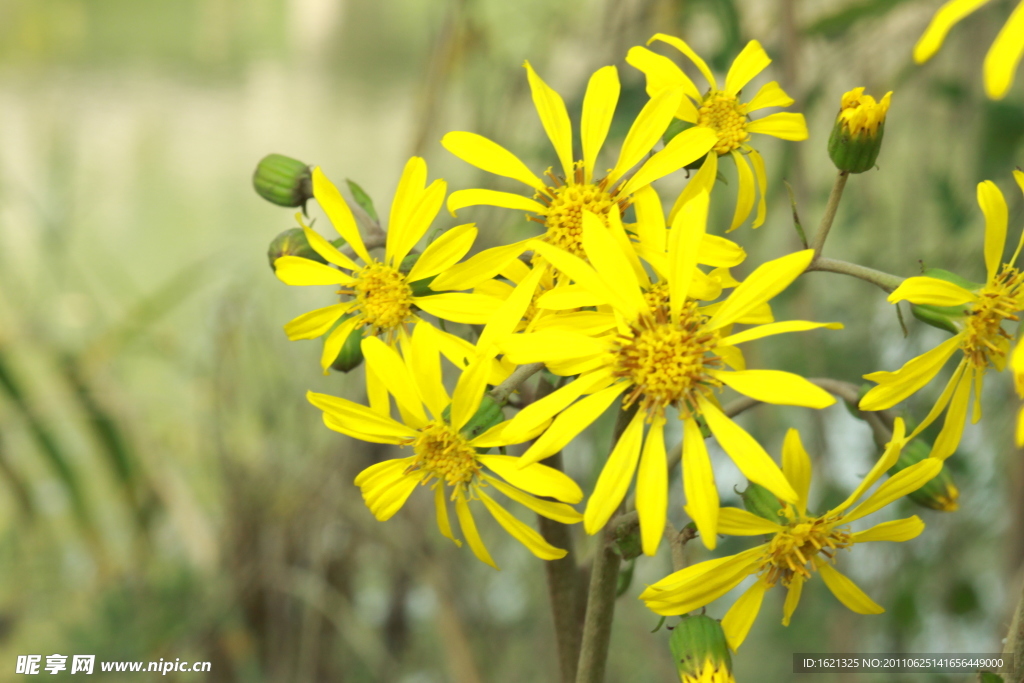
x,y
362,199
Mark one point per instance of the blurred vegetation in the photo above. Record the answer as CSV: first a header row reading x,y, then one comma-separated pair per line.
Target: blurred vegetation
x,y
166,490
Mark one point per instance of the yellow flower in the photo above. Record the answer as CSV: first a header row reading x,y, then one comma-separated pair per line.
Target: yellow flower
x,y
658,347
558,203
446,456
1002,58
801,544
722,112
709,674
381,299
982,338
859,113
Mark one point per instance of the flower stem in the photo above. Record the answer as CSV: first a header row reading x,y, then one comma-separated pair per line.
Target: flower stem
x,y
886,281
604,579
501,392
1015,642
830,213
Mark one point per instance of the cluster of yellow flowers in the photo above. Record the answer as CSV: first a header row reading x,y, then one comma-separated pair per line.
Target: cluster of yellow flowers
x,y
632,307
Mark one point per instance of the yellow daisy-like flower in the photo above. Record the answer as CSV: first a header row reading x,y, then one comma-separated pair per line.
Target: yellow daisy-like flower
x,y
448,454
659,348
801,544
722,112
1003,57
860,113
982,338
558,204
381,298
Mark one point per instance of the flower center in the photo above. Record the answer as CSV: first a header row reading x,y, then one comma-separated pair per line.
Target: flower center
x,y
666,362
383,295
985,339
795,550
724,114
566,203
445,455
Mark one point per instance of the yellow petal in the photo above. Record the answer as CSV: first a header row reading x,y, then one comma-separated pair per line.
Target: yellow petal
x,y
443,252
570,423
738,522
652,488
993,205
469,392
609,260
745,196
598,109
953,427
763,284
1004,56
776,328
407,194
847,592
584,275
460,199
757,161
615,476
567,297
554,118
783,125
506,317
947,16
699,484
441,507
751,61
894,387
385,501
377,394
682,150
315,323
719,252
755,464
333,204
478,268
360,417
646,130
796,465
335,340
776,386
391,369
684,239
898,530
898,485
943,400
680,45
489,156
327,250
550,346
415,225
538,479
544,409
737,621
661,72
770,95
695,594
425,363
560,512
881,466
460,307
476,543
932,291
295,270
796,587
650,220
534,542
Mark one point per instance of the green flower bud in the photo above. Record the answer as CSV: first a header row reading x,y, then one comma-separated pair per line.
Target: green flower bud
x,y
938,494
292,242
857,135
701,650
761,502
949,318
351,354
283,181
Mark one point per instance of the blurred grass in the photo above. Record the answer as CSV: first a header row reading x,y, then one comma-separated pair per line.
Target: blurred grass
x,y
168,492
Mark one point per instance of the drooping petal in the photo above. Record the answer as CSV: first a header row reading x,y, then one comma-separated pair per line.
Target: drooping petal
x,y
932,291
615,476
443,521
489,156
796,587
443,252
763,284
751,61
553,116
737,621
881,466
746,194
943,400
993,205
783,125
391,369
847,592
333,204
953,427
460,199
796,465
652,488
770,329
898,530
533,541
757,161
682,150
560,512
1004,56
315,323
943,20
894,387
296,270
699,484
469,530
538,479
680,45
898,485
776,386
598,109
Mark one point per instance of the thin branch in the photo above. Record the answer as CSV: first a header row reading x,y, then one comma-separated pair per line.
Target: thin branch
x,y
830,213
1014,646
501,392
677,541
886,281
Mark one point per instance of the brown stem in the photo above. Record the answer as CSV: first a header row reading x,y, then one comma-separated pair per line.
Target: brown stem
x,y
501,392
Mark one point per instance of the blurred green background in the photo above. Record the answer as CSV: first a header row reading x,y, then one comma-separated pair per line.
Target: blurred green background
x,y
167,492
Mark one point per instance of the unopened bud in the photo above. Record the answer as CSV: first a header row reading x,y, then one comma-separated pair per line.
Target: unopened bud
x,y
292,242
857,135
701,651
283,181
351,354
761,502
938,494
